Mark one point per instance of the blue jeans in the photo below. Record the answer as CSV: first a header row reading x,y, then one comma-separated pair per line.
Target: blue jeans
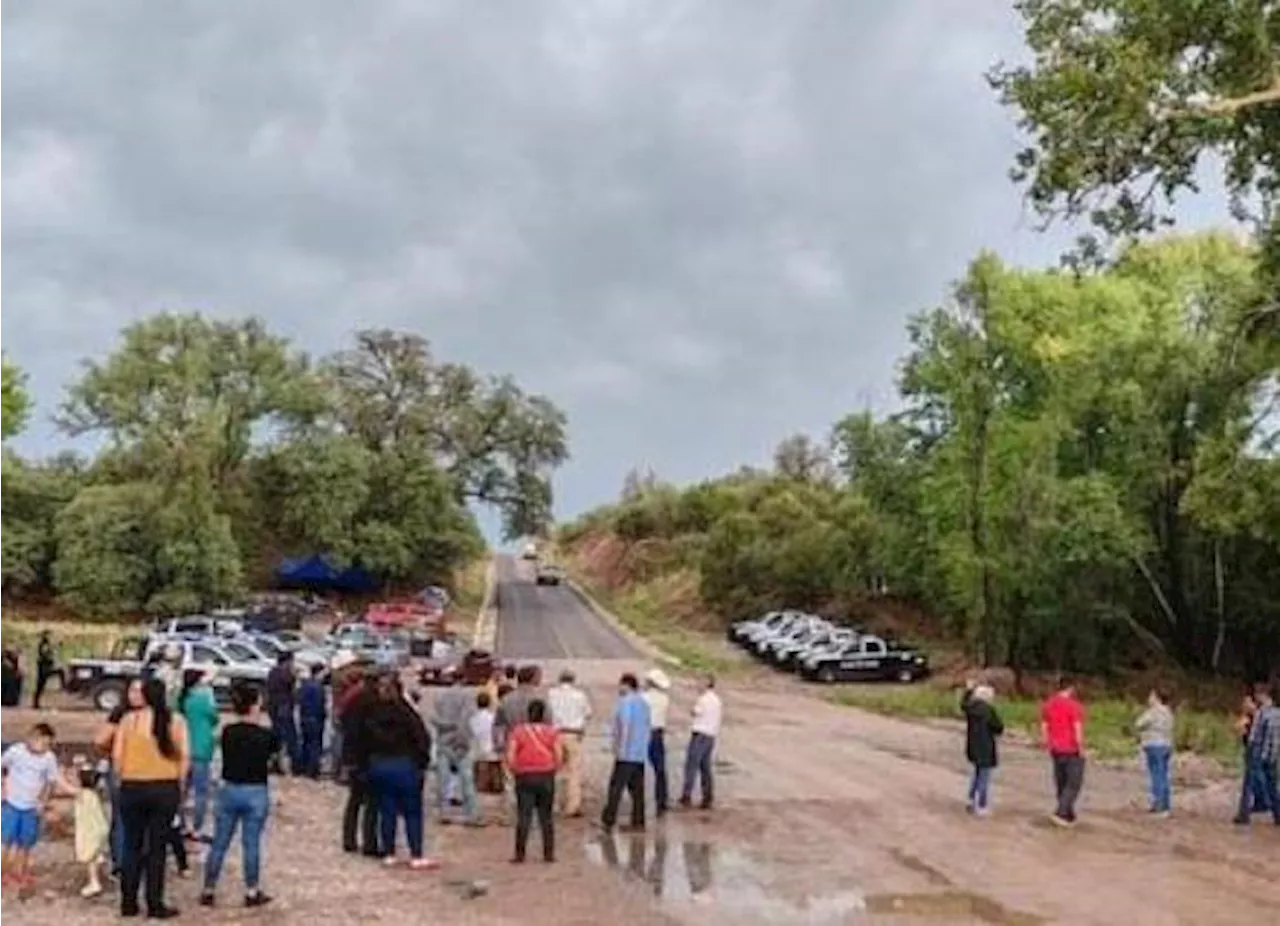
x,y
658,759
697,763
286,727
1158,762
312,748
980,788
462,771
1260,785
246,807
198,782
397,785
116,838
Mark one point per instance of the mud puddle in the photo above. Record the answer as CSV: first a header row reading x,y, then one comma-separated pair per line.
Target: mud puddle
x,y
694,879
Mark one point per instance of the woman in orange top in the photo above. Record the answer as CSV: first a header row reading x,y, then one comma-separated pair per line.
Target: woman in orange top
x,y
534,755
151,759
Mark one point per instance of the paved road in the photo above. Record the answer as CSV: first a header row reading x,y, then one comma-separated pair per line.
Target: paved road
x,y
550,622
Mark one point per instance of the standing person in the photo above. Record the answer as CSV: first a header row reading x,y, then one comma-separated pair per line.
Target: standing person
x,y
983,727
393,744
280,708
31,775
1155,732
656,685
46,667
630,752
11,682
92,831
570,713
534,755
699,758
312,716
104,740
1062,718
488,767
244,800
1262,758
1244,725
344,679
360,817
200,711
513,708
169,671
451,717
150,755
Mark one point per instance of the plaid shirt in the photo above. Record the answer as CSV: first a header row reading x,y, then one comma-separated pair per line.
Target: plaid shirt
x,y
1264,738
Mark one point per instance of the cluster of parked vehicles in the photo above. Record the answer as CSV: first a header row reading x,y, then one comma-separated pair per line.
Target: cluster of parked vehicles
x,y
820,650
242,645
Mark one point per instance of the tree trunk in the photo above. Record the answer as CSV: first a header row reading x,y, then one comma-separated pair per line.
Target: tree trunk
x,y
1220,588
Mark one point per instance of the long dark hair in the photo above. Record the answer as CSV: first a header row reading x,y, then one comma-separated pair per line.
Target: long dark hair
x,y
161,719
190,678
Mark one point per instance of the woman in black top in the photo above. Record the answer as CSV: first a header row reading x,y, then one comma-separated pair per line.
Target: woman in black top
x,y
392,744
243,800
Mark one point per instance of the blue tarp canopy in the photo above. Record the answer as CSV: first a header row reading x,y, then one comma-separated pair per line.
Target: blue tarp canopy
x,y
316,572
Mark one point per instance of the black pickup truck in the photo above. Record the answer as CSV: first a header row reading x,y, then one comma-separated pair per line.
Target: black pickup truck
x,y
866,659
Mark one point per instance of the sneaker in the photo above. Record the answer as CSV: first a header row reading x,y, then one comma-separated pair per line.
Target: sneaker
x,y
206,898
1060,821
163,913
390,861
90,891
256,899
981,811
423,864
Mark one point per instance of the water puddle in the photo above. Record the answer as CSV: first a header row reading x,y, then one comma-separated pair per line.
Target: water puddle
x,y
712,883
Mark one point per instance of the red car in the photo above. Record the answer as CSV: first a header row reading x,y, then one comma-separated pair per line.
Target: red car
x,y
400,614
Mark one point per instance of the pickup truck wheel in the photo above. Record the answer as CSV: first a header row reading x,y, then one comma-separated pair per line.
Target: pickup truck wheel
x,y
827,675
108,695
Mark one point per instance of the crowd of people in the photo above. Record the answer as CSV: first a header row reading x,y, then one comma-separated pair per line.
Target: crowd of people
x,y
167,764
1062,733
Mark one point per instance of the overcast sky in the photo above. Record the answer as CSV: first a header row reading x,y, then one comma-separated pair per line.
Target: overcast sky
x,y
696,226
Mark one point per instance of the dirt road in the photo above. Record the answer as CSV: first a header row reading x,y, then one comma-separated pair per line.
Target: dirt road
x,y
827,816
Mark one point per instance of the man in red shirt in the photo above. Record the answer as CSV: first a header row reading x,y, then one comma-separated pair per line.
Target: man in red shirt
x,y
1062,732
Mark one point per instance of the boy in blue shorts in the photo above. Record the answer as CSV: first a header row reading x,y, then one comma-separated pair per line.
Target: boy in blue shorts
x,y
31,774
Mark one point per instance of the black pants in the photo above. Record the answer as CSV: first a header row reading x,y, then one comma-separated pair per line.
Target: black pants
x,y
629,777
536,794
147,809
1068,779
360,816
42,679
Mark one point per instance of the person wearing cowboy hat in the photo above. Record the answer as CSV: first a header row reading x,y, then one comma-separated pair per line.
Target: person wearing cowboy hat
x,y
656,686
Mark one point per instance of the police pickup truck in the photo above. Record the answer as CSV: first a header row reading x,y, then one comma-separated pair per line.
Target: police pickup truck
x,y
866,659
105,681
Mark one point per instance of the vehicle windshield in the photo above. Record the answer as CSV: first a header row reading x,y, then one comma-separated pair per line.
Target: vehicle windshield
x,y
268,646
241,653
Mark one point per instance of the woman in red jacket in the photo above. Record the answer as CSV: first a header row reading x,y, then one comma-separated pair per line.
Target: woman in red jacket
x,y
534,755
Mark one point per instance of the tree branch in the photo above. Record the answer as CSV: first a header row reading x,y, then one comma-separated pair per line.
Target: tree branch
x,y
1229,106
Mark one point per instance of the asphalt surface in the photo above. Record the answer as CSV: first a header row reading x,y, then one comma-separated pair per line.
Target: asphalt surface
x,y
549,621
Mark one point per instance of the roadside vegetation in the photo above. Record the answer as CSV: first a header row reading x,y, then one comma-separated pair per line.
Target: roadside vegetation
x,y
224,448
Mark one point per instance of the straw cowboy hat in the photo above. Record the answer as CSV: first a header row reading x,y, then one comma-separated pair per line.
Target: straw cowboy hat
x,y
658,679
343,658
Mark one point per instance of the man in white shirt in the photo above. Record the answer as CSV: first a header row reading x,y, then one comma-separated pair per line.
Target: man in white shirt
x,y
707,712
570,712
656,685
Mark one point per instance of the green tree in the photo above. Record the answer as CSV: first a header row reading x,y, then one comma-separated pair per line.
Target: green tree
x,y
498,444
16,401
34,493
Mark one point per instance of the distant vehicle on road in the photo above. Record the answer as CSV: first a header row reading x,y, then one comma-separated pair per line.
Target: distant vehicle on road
x,y
548,574
530,551
868,659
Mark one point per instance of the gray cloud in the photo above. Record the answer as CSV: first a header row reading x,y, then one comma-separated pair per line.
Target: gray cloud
x,y
698,226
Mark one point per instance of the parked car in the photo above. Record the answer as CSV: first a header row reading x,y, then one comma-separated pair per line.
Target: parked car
x,y
203,624
790,655
786,622
104,681
869,658
739,630
799,629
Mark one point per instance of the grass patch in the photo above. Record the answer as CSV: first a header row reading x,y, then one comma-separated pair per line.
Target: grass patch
x,y
1109,730
645,609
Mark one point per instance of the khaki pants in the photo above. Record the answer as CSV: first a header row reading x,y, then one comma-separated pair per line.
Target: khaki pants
x,y
571,774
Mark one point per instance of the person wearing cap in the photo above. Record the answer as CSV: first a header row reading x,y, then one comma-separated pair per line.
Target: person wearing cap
x,y
656,686
570,714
